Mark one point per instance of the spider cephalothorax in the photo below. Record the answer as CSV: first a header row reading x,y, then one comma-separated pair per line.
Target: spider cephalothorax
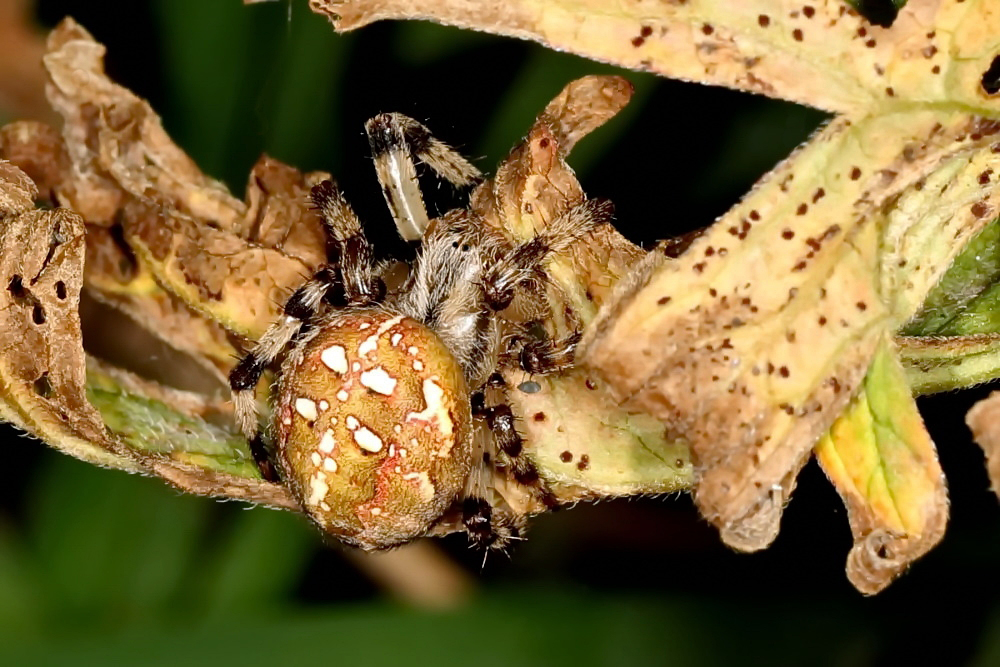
x,y
386,414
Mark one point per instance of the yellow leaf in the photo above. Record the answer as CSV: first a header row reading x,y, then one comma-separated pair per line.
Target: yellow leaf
x,y
882,461
820,53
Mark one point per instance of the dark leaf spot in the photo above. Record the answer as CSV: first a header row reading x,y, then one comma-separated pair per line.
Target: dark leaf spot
x,y
42,386
991,77
16,287
879,12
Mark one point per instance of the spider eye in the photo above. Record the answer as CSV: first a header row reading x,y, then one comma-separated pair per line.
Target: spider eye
x,y
372,422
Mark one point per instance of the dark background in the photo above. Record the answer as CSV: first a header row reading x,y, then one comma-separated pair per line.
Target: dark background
x,y
100,567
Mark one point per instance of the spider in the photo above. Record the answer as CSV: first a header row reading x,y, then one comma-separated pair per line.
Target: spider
x,y
388,411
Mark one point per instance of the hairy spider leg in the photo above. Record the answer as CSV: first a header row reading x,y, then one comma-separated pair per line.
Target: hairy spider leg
x,y
524,263
396,140
489,525
541,357
349,279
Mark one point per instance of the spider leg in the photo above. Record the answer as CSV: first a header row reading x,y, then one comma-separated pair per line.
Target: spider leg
x,y
501,279
348,247
396,140
541,357
350,279
489,522
300,308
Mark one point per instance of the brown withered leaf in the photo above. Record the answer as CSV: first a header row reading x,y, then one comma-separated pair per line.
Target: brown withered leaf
x,y
219,274
116,141
983,419
823,53
114,277
42,379
583,106
112,274
38,150
233,262
278,212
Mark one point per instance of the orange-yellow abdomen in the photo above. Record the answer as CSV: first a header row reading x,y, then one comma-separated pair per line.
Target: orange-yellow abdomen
x,y
373,427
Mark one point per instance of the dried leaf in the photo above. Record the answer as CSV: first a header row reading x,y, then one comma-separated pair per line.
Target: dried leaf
x,y
534,184
882,461
116,142
823,54
753,374
217,273
278,212
231,261
42,383
983,419
36,149
115,278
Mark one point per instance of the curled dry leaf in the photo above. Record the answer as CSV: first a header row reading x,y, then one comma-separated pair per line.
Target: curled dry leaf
x,y
230,261
117,143
882,461
103,417
534,184
41,355
983,419
755,373
823,54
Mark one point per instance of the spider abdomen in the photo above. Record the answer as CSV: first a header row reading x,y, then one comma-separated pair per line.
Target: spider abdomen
x,y
372,426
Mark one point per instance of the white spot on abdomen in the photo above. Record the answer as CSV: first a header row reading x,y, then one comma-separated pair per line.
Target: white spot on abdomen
x,y
433,408
318,488
334,358
377,379
306,408
423,483
370,343
367,440
327,444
